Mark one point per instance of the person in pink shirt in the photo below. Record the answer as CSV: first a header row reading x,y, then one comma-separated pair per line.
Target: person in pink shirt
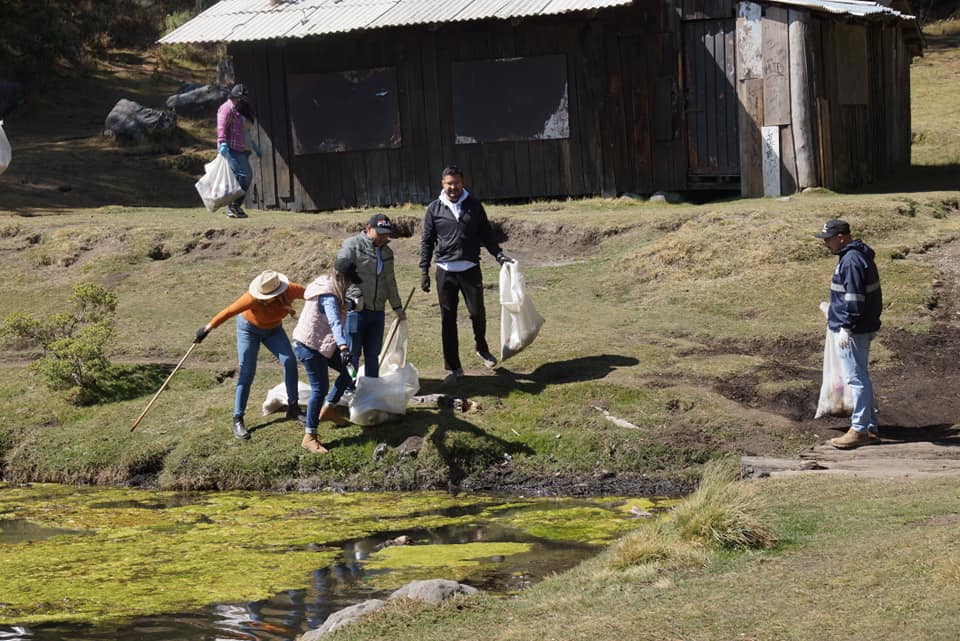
x,y
230,142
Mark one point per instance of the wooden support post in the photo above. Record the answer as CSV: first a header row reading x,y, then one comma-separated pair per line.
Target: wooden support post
x,y
801,91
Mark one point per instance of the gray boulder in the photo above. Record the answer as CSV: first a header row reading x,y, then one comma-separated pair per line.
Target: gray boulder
x,y
11,94
200,101
433,590
343,617
130,122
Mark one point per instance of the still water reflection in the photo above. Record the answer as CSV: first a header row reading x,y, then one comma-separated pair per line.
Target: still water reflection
x,y
331,588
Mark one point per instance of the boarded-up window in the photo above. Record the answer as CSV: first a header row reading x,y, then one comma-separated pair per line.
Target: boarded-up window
x,y
344,111
852,73
510,99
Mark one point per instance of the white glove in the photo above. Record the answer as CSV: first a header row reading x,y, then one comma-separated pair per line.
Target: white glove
x,y
843,338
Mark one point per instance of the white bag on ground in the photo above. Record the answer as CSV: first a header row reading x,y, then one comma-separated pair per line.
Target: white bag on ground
x,y
519,321
277,397
6,154
378,400
218,186
835,396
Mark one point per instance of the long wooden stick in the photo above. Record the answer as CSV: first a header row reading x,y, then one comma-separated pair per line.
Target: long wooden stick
x,y
162,387
393,330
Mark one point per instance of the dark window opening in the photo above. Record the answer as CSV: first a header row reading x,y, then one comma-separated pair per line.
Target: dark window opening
x,y
511,99
344,111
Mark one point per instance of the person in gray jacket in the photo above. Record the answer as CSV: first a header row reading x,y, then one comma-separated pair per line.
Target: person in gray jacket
x,y
370,252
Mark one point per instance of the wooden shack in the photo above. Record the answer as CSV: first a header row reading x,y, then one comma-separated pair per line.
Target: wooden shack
x,y
364,104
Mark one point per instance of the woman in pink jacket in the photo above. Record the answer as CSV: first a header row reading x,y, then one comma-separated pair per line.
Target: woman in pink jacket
x,y
320,344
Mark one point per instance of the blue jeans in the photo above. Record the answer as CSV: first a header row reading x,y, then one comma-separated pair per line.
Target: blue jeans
x,y
855,359
364,334
249,339
317,367
239,162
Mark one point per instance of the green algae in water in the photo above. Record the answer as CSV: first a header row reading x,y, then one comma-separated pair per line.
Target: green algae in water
x,y
155,552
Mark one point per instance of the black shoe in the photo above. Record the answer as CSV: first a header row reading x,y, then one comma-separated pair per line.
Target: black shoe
x,y
238,210
293,411
239,430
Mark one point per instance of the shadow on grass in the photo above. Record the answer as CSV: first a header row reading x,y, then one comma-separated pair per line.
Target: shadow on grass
x,y
127,382
915,178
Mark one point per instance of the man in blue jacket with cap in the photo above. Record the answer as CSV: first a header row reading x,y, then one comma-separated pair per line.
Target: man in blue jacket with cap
x,y
856,302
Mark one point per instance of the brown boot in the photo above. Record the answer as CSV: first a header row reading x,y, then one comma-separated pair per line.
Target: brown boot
x,y
851,439
332,413
312,444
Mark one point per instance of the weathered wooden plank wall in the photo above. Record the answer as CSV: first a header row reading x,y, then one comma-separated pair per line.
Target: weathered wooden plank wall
x,y
622,78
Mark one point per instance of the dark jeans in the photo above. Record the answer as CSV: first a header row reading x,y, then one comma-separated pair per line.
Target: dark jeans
x,y
317,367
239,162
449,287
364,334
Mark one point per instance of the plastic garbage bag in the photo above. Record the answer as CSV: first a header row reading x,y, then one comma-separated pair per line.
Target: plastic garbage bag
x,y
836,398
218,186
6,154
519,321
383,399
276,399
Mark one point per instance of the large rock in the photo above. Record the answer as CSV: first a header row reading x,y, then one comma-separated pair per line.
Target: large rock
x,y
11,94
343,617
200,101
129,122
433,590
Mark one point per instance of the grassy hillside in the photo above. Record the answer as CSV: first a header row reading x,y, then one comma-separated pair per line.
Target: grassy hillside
x,y
697,324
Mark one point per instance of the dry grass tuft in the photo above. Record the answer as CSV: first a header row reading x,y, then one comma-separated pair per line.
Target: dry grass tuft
x,y
723,512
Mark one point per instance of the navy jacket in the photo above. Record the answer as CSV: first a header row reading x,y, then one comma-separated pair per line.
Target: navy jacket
x,y
456,239
855,297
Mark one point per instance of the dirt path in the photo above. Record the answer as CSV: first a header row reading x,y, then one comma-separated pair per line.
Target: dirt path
x,y
920,401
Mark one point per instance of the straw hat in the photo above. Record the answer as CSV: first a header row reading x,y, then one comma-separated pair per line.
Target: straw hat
x,y
268,284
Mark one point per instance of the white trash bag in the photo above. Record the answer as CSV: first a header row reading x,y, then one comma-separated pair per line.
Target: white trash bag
x,y
836,398
6,154
218,186
519,321
383,399
277,397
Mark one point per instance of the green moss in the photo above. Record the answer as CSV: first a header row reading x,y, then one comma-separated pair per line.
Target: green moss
x,y
139,552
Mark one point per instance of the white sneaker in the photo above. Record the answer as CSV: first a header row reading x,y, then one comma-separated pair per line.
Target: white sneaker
x,y
489,360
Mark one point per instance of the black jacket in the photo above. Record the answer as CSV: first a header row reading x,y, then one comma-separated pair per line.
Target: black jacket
x,y
456,239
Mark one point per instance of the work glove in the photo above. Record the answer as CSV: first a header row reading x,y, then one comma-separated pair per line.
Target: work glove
x,y
347,361
843,338
425,281
401,315
503,258
224,150
201,334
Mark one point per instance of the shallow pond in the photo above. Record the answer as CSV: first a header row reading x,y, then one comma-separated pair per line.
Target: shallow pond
x,y
95,563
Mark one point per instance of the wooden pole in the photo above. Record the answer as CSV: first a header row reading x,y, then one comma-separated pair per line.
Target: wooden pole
x,y
800,99
162,387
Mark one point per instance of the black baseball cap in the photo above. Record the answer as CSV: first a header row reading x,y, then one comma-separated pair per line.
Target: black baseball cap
x,y
833,227
381,223
348,268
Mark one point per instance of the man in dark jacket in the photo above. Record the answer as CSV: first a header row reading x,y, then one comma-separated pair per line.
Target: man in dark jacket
x,y
856,302
456,225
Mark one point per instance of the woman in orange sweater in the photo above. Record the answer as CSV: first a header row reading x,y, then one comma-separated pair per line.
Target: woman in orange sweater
x,y
260,312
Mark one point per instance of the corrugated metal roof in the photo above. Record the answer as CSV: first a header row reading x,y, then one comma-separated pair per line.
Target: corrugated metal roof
x,y
859,8
247,20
